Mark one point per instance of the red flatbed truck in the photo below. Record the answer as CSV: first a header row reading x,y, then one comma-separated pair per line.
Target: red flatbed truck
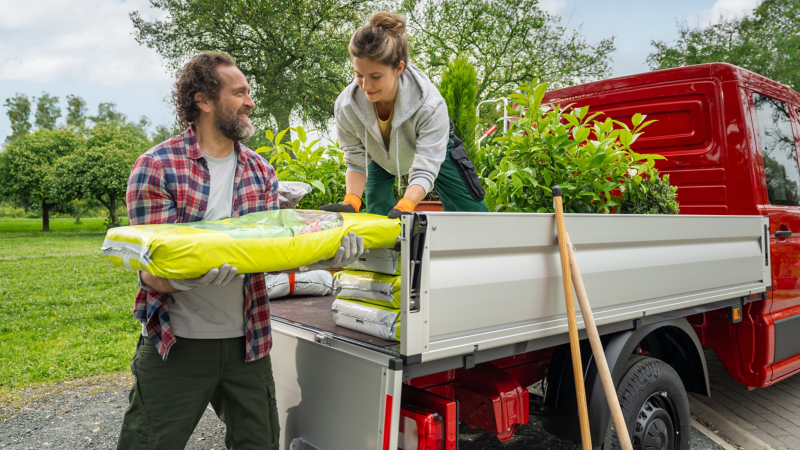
x,y
483,315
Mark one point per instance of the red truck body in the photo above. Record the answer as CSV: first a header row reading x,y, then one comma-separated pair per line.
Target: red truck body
x,y
731,139
715,138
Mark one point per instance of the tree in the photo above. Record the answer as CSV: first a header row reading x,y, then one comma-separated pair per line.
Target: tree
x,y
293,52
510,42
164,132
100,169
459,87
76,112
767,42
47,112
29,160
107,112
19,112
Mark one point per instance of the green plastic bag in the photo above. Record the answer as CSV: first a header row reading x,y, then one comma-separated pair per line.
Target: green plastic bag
x,y
259,242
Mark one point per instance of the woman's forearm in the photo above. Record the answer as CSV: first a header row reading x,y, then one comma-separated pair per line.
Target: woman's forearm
x,y
415,192
355,182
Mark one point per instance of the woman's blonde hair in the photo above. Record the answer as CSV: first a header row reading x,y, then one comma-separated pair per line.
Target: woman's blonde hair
x,y
382,40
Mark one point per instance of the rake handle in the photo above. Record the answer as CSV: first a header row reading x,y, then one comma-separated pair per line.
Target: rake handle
x,y
574,343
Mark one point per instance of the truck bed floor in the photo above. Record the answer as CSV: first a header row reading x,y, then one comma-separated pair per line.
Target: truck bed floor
x,y
316,312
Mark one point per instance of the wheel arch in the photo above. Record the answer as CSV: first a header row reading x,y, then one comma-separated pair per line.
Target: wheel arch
x,y
672,341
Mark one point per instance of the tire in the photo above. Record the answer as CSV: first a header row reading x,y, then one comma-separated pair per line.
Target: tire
x,y
655,407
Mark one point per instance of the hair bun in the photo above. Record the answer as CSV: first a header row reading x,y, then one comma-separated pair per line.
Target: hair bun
x,y
394,24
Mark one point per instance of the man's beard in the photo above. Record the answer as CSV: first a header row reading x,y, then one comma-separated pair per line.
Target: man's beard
x,y
229,124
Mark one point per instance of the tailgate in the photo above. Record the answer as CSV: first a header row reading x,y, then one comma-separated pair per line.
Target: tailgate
x,y
334,394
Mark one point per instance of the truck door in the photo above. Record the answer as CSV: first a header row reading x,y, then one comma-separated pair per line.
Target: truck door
x,y
777,141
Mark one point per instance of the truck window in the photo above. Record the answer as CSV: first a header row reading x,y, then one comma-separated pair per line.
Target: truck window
x,y
780,157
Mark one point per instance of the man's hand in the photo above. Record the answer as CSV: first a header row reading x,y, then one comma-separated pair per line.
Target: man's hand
x,y
404,205
352,248
214,277
351,204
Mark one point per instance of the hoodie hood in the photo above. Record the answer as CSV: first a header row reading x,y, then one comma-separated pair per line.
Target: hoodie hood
x,y
413,90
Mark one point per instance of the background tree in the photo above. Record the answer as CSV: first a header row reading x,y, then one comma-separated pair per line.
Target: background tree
x,y
459,87
27,162
76,112
766,42
293,52
510,42
18,109
107,112
47,112
100,169
164,132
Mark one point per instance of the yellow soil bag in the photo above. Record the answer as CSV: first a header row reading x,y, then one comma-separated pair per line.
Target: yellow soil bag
x,y
258,242
370,287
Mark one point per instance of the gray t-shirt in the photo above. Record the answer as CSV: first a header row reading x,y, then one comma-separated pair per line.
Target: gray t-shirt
x,y
213,312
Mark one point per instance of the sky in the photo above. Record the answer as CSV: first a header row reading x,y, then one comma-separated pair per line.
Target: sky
x,y
87,47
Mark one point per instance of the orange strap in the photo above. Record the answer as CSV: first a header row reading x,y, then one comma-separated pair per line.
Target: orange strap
x,y
405,204
352,199
291,283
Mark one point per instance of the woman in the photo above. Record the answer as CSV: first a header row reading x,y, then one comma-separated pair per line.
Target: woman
x,y
393,121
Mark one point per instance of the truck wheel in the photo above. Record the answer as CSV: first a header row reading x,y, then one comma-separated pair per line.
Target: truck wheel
x,y
655,407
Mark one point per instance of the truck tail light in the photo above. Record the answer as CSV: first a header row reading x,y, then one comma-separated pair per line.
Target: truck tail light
x,y
420,429
415,399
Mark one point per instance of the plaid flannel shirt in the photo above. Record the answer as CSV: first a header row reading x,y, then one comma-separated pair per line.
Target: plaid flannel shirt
x,y
170,183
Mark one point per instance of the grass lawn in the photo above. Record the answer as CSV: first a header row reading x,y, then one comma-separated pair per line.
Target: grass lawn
x,y
65,312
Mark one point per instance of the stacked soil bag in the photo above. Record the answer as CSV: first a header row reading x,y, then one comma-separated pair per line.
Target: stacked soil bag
x,y
368,295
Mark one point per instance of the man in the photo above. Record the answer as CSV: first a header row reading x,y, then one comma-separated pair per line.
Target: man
x,y
205,340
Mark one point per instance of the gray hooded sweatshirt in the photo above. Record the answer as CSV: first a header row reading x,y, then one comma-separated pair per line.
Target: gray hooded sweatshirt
x,y
420,130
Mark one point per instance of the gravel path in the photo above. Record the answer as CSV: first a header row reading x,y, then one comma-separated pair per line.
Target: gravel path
x,y
86,414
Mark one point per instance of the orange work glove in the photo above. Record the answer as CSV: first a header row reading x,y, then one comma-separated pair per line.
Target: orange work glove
x,y
404,205
351,204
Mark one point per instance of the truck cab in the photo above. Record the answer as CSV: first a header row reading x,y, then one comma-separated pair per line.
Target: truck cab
x,y
730,137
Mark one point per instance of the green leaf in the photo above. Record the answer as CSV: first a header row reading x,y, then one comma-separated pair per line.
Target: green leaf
x,y
318,184
279,138
637,119
269,135
301,133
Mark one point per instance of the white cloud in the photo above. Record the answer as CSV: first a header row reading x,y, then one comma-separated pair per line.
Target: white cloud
x,y
728,9
552,7
80,40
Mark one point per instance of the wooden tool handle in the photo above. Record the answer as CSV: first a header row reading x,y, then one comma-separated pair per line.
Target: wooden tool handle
x,y
574,343
597,349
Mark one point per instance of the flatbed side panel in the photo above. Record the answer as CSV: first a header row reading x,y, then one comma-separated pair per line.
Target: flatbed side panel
x,y
334,395
495,279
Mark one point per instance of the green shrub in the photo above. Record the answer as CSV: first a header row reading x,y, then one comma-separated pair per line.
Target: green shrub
x,y
321,166
650,195
459,87
591,160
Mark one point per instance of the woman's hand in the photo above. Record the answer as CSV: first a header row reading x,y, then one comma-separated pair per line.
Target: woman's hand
x,y
351,204
414,194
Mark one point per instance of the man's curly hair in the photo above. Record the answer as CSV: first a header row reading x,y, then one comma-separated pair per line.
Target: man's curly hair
x,y
198,75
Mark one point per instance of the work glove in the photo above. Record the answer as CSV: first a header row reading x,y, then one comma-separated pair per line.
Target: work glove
x,y
352,248
404,205
214,277
351,204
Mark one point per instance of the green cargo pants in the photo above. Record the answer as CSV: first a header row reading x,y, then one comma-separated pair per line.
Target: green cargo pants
x,y
168,398
451,188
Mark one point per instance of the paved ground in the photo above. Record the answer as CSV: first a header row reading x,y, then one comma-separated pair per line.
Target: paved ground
x,y
772,414
86,414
